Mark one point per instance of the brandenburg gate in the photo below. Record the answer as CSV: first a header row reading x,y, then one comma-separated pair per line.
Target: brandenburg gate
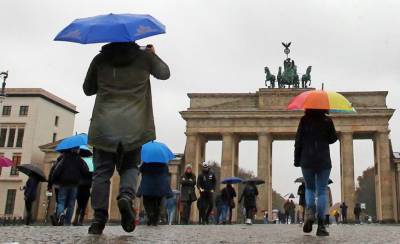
x,y
263,116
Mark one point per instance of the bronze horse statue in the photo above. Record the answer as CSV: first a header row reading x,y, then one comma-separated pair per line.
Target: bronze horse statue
x,y
269,77
306,78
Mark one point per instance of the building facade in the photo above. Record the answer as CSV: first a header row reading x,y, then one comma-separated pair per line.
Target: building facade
x,y
29,117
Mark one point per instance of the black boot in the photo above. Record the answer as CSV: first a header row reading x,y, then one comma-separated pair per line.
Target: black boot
x,y
309,220
321,231
127,214
96,228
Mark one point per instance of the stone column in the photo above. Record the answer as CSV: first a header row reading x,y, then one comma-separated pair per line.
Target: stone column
x,y
195,155
264,171
229,162
347,172
385,202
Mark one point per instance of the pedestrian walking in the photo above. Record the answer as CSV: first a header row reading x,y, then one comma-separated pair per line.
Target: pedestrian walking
x,y
50,185
292,212
315,132
218,207
301,191
357,213
249,196
336,215
329,203
170,206
343,209
286,207
206,183
122,121
67,174
154,186
30,191
82,198
228,194
188,193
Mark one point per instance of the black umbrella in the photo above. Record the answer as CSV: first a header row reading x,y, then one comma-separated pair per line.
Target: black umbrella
x,y
256,181
299,180
292,196
30,169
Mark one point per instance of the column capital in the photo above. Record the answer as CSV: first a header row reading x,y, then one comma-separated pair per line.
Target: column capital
x,y
267,135
227,133
387,131
189,133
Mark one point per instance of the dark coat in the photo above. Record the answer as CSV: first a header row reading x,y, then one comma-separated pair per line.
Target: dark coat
x,y
314,134
206,181
86,180
227,195
123,112
155,180
31,188
188,192
69,170
249,195
51,182
302,195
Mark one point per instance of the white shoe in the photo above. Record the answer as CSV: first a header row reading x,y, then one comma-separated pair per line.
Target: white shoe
x,y
248,222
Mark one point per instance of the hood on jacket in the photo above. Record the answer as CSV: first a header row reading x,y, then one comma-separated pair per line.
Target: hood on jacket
x,y
120,53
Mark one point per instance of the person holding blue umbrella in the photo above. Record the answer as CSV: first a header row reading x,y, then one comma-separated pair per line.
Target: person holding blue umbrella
x,y
122,119
155,184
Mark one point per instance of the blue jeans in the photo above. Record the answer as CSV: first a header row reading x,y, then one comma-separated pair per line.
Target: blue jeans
x,y
316,183
224,213
171,214
66,200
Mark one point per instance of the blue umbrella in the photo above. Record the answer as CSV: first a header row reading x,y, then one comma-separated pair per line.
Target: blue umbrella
x,y
156,152
111,28
232,180
89,163
72,142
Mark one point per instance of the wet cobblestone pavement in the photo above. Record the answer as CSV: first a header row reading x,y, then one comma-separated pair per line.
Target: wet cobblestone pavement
x,y
202,234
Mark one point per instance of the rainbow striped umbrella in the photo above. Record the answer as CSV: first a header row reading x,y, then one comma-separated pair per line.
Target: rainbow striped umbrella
x,y
320,99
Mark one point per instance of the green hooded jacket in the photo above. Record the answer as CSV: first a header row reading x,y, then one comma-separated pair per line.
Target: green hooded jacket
x,y
123,114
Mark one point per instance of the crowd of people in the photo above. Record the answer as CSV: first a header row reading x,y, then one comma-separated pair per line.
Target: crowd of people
x,y
122,121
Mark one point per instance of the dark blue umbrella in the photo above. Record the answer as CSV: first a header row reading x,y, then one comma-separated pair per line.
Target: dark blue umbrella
x,y
156,152
111,28
232,180
72,142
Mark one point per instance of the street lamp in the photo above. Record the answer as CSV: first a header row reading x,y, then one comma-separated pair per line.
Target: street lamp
x,y
3,87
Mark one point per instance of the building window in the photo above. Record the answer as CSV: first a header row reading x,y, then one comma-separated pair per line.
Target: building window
x,y
20,137
6,110
56,121
3,134
54,137
11,137
23,110
10,202
16,161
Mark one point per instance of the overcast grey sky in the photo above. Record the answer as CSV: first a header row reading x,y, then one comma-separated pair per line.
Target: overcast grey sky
x,y
218,46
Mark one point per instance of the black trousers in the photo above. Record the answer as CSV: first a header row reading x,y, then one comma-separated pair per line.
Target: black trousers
x,y
105,164
28,213
205,206
152,205
249,212
82,199
186,206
